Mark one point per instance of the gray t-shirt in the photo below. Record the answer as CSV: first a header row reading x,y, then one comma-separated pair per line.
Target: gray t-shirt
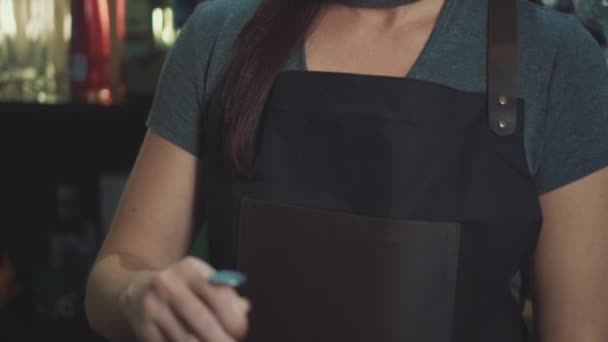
x,y
564,79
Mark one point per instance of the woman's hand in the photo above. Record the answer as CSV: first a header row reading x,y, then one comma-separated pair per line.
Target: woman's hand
x,y
180,304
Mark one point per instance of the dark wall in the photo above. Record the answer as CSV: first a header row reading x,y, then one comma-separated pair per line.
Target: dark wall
x,y
41,147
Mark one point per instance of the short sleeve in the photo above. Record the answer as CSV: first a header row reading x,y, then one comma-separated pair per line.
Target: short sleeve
x,y
576,132
177,109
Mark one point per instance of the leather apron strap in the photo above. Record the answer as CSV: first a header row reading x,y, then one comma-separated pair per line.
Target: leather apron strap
x,y
503,65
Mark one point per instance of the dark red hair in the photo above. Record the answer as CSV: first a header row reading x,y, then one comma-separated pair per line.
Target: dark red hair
x,y
266,43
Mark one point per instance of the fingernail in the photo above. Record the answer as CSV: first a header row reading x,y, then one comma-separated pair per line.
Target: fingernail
x,y
228,278
242,305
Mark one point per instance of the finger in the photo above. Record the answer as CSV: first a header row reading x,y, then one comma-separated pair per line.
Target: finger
x,y
158,313
197,265
199,319
229,308
151,333
171,327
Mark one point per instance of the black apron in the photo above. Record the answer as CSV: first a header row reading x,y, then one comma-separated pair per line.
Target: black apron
x,y
382,208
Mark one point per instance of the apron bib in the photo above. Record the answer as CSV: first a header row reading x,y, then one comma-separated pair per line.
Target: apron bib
x,y
381,208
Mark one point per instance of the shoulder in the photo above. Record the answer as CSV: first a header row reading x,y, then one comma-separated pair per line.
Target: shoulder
x,y
216,22
212,17
210,35
552,44
548,33
564,81
194,67
559,46
534,14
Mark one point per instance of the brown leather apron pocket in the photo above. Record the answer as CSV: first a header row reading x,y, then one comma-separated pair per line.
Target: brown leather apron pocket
x,y
317,275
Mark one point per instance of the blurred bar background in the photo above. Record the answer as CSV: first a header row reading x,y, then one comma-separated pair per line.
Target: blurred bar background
x,y
76,82
77,78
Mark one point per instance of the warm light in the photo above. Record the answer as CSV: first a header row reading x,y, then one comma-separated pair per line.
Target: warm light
x,y
8,25
42,97
157,23
162,27
67,27
105,96
37,47
41,16
169,31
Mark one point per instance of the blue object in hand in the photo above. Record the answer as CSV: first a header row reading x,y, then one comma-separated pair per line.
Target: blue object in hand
x,y
228,278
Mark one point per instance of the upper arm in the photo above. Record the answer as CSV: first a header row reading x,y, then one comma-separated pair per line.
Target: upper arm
x,y
571,269
575,138
571,272
156,216
157,213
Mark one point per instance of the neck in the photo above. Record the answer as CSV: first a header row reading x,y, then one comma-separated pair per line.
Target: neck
x,y
377,3
388,14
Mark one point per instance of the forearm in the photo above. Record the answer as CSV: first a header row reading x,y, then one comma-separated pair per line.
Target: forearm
x,y
579,327
109,278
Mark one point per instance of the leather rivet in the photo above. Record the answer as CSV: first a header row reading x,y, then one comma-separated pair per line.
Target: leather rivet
x,y
502,124
503,100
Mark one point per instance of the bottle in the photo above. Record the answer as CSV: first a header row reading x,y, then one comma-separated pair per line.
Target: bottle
x,y
139,29
118,35
141,62
33,51
90,52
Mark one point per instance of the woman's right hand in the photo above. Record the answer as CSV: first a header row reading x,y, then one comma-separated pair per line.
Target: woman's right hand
x,y
180,304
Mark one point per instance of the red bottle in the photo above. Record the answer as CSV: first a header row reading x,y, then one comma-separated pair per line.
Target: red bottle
x,y
119,87
90,52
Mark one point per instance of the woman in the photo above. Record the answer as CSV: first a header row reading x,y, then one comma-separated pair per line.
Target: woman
x,y
362,204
